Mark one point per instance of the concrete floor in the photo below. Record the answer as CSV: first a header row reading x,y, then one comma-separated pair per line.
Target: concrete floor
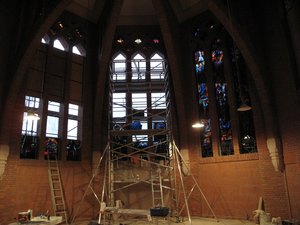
x,y
158,221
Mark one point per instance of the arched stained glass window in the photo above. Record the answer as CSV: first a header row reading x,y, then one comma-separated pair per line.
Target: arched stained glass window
x,y
221,93
203,101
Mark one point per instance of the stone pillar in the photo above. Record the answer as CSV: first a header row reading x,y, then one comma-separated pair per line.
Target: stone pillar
x,y
4,152
276,157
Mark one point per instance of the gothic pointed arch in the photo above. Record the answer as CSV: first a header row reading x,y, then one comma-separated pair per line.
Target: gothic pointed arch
x,y
257,69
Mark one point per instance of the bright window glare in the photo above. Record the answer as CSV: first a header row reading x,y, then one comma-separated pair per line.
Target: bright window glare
x,y
119,65
57,44
158,101
156,66
72,129
52,126
119,105
29,127
53,106
139,101
75,50
138,66
32,102
73,109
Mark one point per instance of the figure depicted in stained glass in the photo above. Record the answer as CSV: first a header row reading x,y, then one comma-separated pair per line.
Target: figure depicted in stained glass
x,y
203,97
199,61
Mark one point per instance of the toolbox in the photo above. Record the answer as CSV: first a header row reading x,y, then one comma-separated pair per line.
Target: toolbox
x,y
159,211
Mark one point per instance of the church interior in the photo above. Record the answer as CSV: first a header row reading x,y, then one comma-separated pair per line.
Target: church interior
x,y
155,110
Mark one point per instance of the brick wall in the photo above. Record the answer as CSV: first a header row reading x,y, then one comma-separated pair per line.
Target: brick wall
x,y
25,185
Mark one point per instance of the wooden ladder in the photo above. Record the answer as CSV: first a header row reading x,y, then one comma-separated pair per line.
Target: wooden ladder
x,y
57,193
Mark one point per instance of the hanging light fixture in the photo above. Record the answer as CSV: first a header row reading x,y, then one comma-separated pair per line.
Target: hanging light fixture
x,y
198,124
243,106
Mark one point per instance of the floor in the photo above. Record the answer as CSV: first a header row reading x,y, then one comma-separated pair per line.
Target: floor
x,y
184,221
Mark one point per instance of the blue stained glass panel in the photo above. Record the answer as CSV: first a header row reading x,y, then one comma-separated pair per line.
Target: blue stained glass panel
x,y
217,62
203,101
206,142
217,57
199,61
225,129
203,97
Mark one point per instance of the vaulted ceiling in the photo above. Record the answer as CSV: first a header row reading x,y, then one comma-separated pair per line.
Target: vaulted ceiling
x,y
136,12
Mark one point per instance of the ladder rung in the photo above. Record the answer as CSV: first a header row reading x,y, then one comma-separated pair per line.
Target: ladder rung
x,y
60,212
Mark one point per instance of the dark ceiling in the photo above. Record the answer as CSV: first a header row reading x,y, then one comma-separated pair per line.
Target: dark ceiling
x,y
136,12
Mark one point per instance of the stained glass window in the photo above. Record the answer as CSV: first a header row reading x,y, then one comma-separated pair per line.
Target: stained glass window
x,y
203,104
247,133
199,62
221,93
225,129
247,140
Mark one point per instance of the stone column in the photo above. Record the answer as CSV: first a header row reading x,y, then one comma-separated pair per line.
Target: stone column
x,y
4,152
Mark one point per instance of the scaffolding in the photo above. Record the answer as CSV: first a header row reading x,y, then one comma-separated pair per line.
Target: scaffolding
x,y
142,175
140,155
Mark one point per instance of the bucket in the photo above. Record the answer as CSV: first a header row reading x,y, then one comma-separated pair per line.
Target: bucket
x,y
23,217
